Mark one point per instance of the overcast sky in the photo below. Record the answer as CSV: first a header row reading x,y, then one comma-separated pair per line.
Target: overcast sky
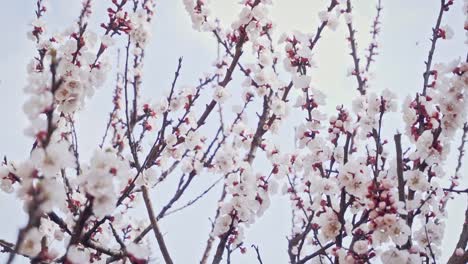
x,y
399,67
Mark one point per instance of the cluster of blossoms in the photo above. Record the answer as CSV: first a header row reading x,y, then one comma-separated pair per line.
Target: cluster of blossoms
x,y
248,192
68,68
355,197
200,14
106,176
370,110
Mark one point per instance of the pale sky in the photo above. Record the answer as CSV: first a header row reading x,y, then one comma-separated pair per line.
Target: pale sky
x,y
406,28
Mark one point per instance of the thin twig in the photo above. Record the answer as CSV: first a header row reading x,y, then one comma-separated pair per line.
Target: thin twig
x,y
257,250
189,203
375,31
429,246
352,40
434,39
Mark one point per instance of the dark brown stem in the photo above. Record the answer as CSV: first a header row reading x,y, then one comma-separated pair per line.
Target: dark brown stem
x,y
399,160
455,191
352,40
434,39
375,31
221,245
157,147
10,247
316,253
211,238
462,242
80,224
190,202
155,227
127,115
257,251
461,149
227,79
322,26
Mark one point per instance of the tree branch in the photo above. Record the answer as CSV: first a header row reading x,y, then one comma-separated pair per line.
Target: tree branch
x,y
154,225
462,242
399,160
259,258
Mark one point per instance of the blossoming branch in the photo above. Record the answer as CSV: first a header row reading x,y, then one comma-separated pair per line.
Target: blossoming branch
x,y
356,196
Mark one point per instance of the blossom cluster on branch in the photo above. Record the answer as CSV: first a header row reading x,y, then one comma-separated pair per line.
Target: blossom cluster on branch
x,y
355,196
